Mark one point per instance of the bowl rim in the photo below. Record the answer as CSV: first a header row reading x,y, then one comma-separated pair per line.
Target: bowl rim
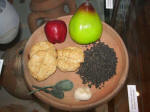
x,y
93,104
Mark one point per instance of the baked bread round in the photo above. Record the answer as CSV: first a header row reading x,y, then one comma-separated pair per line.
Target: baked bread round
x,y
42,46
42,64
69,58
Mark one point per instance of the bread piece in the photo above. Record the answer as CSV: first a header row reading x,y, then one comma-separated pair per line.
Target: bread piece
x,y
69,58
43,46
41,65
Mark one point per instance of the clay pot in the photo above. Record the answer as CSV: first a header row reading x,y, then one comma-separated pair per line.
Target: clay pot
x,y
44,16
48,9
13,76
43,5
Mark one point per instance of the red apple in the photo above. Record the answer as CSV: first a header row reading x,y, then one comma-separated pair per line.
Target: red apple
x,y
55,31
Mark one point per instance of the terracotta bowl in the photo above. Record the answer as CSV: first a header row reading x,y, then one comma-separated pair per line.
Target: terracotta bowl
x,y
99,96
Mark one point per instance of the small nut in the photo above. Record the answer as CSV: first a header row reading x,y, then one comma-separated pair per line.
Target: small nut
x,y
82,93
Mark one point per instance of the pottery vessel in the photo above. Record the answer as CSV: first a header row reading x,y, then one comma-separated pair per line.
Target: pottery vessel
x,y
9,22
12,78
99,96
44,10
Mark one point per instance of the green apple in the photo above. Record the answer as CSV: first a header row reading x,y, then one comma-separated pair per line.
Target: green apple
x,y
85,25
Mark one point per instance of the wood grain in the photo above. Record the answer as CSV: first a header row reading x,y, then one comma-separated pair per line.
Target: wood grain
x,y
138,45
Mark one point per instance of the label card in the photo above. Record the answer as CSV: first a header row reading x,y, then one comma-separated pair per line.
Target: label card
x,y
1,65
109,4
132,98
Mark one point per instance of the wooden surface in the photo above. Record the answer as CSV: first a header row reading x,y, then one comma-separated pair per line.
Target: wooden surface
x,y
138,44
143,31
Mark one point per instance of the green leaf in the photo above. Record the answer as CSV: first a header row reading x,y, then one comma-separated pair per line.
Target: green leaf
x,y
56,90
64,85
38,89
57,93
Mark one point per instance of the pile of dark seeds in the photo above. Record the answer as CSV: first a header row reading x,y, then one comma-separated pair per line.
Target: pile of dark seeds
x,y
99,65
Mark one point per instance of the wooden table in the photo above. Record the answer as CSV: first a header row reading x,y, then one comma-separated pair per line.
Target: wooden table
x,y
137,39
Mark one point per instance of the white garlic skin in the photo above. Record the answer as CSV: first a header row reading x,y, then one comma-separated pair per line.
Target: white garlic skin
x,y
82,93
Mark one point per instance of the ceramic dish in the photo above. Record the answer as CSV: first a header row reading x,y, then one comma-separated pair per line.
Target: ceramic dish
x,y
111,87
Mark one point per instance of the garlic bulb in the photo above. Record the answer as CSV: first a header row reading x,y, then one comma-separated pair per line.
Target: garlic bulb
x,y
82,93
